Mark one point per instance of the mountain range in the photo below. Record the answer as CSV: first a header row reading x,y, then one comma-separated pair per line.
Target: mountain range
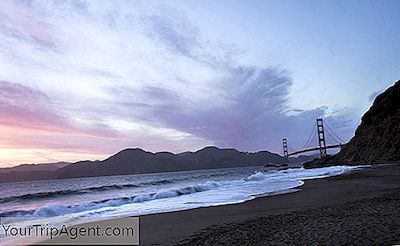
x,y
137,161
34,167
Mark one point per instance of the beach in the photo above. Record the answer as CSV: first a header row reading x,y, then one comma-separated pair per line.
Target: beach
x,y
362,207
199,122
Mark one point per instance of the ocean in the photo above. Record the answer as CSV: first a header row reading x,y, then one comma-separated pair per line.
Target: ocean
x,y
134,195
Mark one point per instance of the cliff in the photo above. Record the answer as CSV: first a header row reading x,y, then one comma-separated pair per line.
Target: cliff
x,y
377,138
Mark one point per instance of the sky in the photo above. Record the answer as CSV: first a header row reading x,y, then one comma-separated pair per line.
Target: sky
x,y
85,79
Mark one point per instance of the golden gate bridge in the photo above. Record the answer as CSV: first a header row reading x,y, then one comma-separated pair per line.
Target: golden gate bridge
x,y
322,146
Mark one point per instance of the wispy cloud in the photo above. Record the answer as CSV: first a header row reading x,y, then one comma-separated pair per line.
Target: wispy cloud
x,y
24,107
101,76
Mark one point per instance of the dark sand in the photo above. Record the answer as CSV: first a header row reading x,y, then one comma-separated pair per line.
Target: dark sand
x,y
360,208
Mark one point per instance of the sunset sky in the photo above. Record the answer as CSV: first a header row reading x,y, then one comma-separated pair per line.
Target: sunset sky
x,y
85,79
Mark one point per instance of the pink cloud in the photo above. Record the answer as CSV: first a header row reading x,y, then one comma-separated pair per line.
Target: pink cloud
x,y
21,24
32,122
23,107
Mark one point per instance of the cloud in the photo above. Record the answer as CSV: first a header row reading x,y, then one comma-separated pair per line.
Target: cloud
x,y
252,116
374,94
99,77
33,120
177,35
18,24
26,108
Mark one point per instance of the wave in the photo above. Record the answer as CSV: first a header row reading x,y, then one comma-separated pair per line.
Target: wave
x,y
58,193
300,173
69,192
256,176
40,195
259,183
56,210
52,194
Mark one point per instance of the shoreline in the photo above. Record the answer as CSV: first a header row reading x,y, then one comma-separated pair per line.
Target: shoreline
x,y
176,227
229,224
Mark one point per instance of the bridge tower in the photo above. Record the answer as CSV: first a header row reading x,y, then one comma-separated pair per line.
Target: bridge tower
x,y
285,148
321,137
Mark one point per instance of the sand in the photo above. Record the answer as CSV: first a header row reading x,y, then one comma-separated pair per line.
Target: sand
x,y
360,208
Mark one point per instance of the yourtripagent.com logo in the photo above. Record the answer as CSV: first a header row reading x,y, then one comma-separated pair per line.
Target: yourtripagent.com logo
x,y
69,231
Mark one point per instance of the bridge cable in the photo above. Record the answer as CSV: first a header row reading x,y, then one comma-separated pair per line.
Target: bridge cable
x,y
334,139
310,142
329,128
337,136
328,132
312,139
309,139
292,149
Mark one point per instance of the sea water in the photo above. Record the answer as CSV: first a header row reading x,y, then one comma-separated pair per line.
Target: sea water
x,y
133,195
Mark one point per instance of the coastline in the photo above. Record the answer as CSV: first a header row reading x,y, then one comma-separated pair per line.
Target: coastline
x,y
197,226
370,196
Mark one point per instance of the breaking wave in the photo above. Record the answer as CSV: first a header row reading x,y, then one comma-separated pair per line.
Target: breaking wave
x,y
225,191
69,192
58,193
56,209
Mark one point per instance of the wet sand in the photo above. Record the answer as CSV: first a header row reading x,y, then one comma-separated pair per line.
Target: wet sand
x,y
360,208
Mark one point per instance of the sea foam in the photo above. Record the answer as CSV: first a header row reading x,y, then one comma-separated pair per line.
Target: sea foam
x,y
175,195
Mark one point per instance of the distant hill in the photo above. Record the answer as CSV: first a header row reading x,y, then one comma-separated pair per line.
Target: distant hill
x,y
299,160
135,161
377,138
34,167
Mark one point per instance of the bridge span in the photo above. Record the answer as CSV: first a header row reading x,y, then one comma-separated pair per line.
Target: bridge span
x,y
322,146
334,146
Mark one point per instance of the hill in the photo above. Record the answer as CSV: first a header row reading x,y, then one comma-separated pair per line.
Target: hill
x,y
377,138
137,161
134,161
34,167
